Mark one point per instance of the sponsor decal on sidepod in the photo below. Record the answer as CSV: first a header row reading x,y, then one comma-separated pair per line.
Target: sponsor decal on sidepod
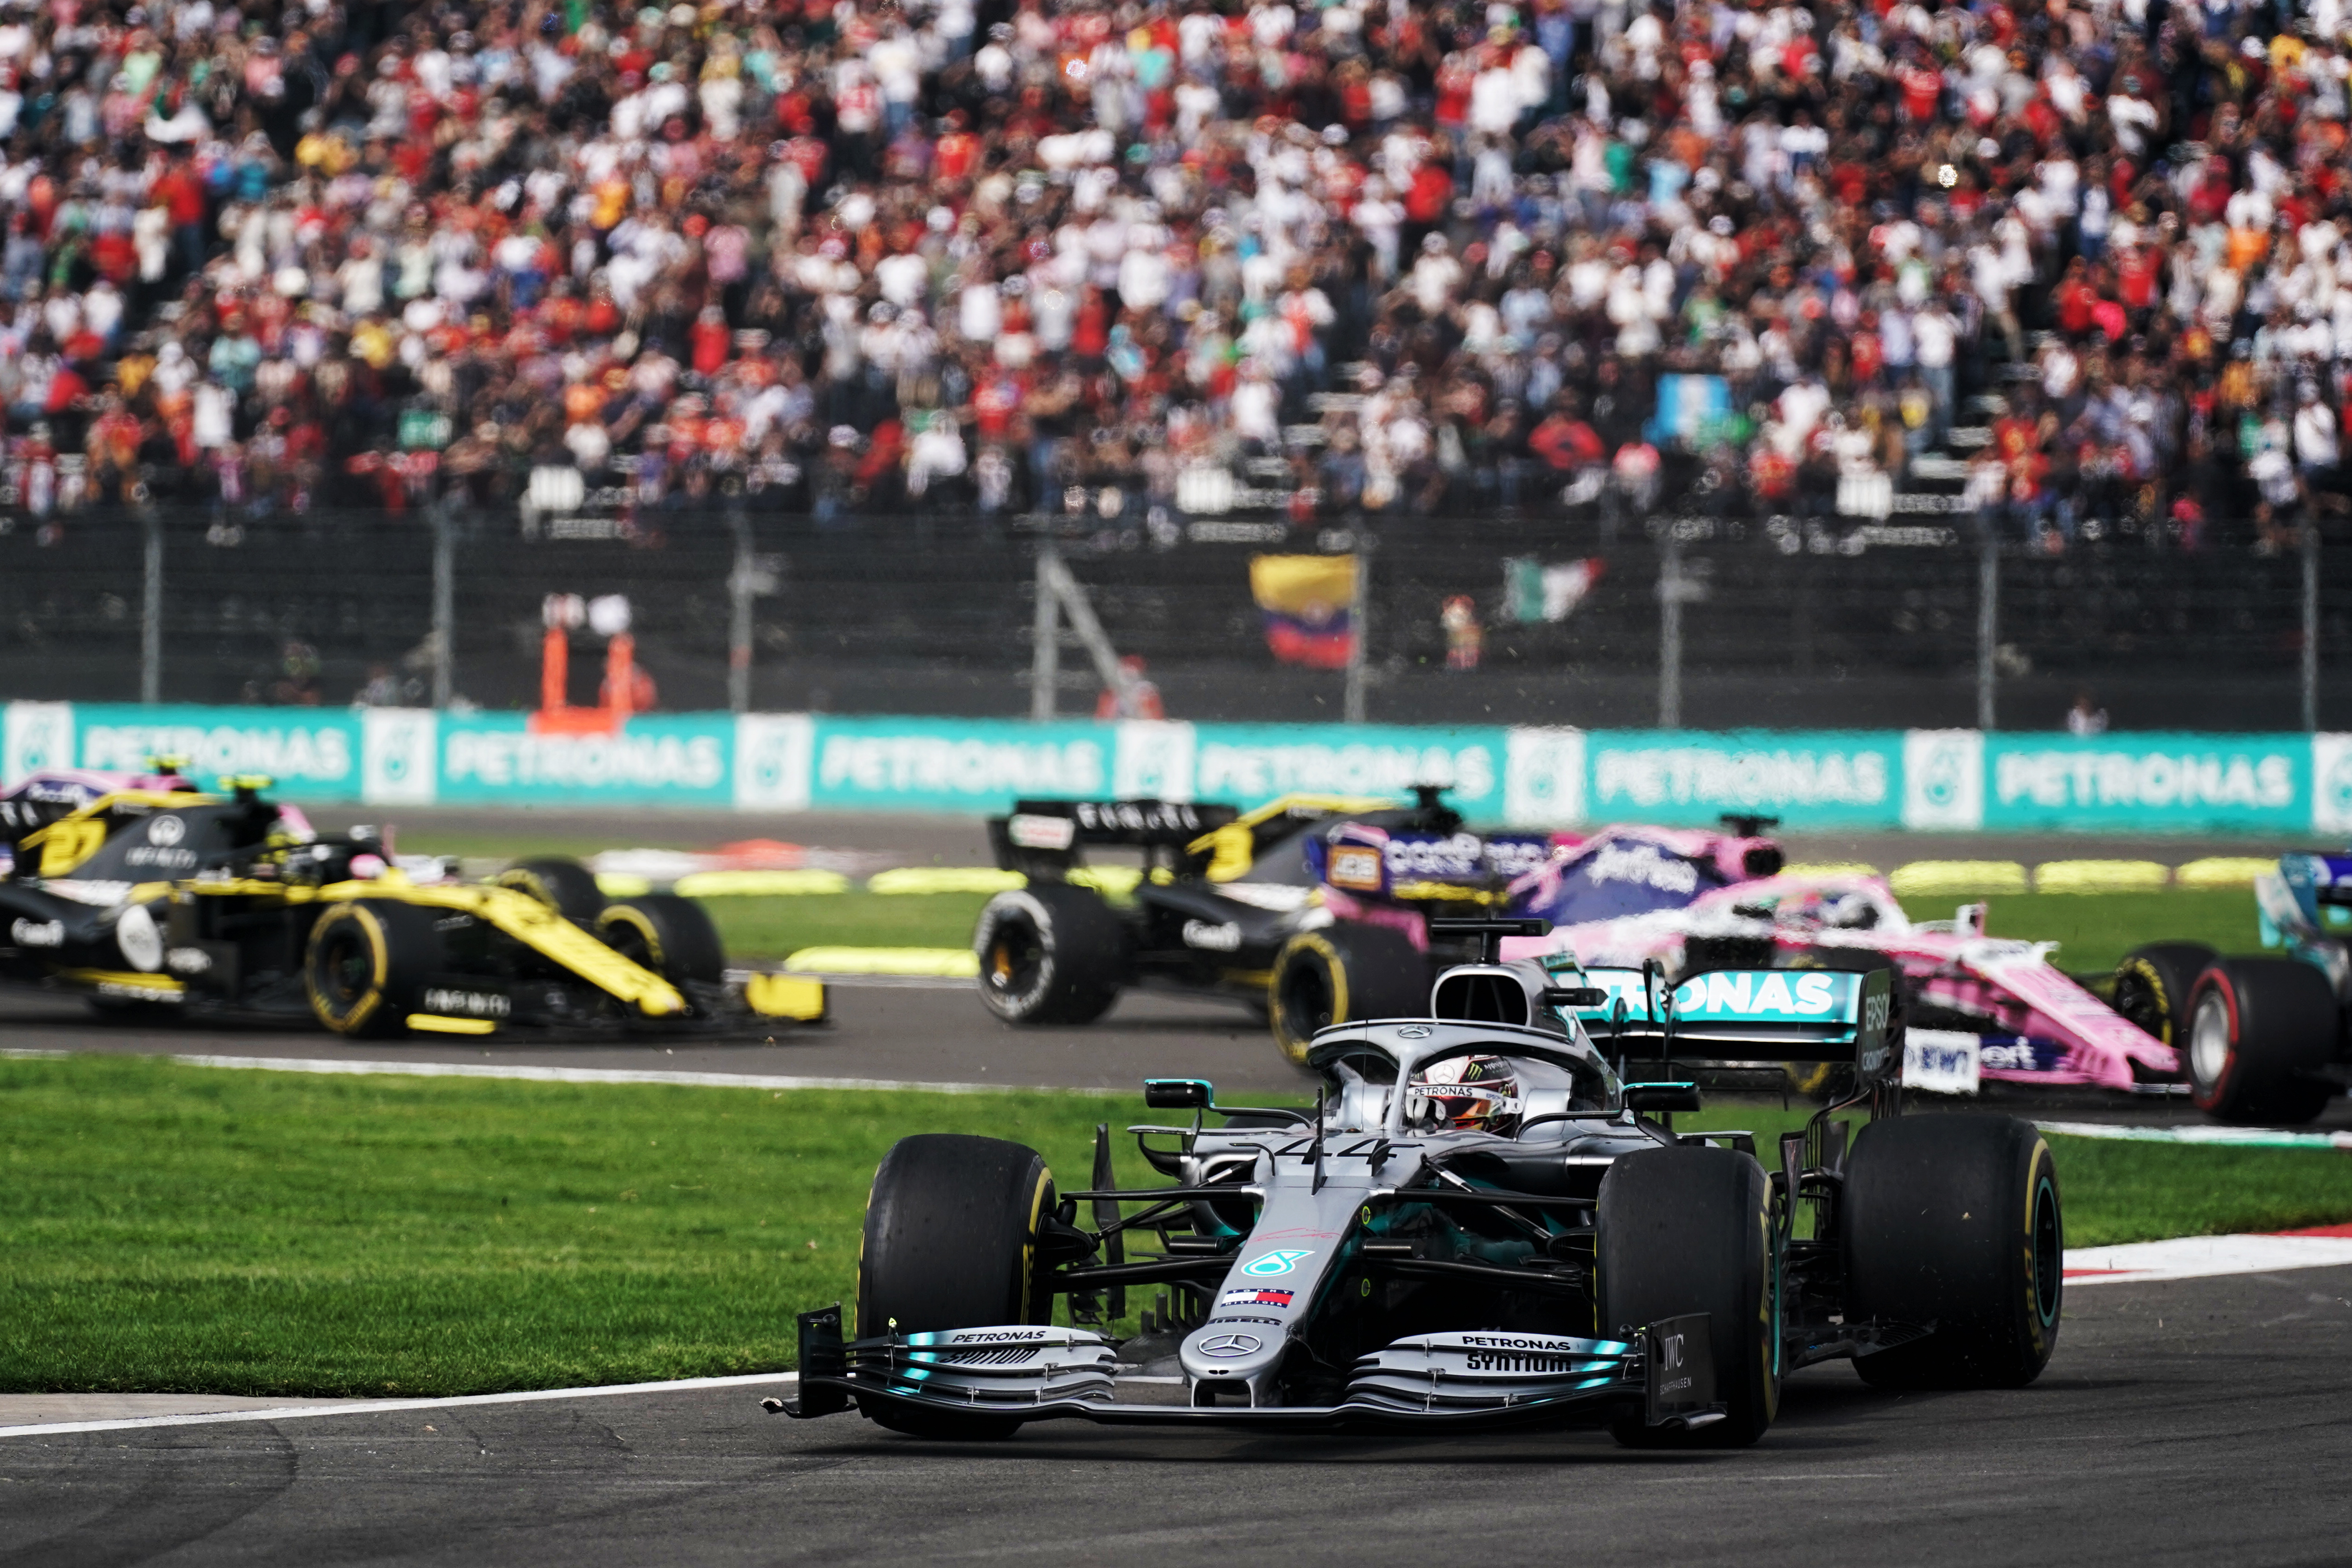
x,y
467,1004
1224,937
38,933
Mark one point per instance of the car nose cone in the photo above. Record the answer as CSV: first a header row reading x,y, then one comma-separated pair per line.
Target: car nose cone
x,y
1232,1354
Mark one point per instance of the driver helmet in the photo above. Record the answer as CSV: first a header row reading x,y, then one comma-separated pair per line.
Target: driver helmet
x,y
1467,1094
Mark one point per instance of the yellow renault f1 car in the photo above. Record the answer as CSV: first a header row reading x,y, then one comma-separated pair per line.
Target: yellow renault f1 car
x,y
228,906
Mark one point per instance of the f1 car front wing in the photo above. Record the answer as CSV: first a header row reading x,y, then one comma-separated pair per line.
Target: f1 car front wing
x,y
1458,1379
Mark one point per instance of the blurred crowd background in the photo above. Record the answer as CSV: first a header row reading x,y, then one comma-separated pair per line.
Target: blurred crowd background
x,y
2065,268
1517,289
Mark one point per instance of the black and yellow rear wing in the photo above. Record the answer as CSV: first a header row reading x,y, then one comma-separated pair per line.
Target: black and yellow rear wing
x,y
1045,838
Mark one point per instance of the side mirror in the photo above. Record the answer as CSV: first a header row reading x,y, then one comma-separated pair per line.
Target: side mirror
x,y
1576,996
1177,1093
1664,1096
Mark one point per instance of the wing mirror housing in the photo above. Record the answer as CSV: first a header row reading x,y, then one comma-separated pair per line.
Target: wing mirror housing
x,y
1662,1097
1576,996
1178,1094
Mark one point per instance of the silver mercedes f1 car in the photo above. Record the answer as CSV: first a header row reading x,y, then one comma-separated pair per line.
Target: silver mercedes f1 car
x,y
1487,1219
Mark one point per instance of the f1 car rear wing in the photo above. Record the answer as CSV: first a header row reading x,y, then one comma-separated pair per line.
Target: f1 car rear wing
x,y
1743,1015
1043,838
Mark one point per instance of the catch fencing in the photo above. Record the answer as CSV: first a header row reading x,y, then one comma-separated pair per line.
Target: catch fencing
x,y
1674,622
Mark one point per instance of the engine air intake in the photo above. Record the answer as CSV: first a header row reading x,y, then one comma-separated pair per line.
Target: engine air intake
x,y
1476,996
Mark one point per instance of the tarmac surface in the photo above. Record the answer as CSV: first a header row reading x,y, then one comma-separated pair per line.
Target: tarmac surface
x,y
2184,1421
2192,1421
928,1032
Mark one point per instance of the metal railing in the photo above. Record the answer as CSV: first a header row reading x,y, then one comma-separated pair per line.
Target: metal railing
x,y
1709,622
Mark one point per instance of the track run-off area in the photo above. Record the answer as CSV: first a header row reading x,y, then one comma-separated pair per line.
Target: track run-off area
x,y
2187,1421
2190,1414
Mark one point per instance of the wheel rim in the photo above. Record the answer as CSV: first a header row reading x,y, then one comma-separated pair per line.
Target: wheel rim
x,y
1305,1004
2049,1260
630,942
2209,1039
346,967
2140,1004
1013,963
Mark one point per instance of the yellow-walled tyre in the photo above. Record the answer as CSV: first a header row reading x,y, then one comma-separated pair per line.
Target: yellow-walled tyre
x,y
1341,974
367,966
670,935
950,1242
1686,1231
1954,1221
2152,986
563,885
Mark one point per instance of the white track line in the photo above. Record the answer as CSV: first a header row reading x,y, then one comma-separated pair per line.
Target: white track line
x,y
585,1075
384,1407
2203,1256
2203,1134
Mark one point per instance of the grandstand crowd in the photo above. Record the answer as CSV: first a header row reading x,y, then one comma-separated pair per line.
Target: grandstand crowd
x,y
2087,265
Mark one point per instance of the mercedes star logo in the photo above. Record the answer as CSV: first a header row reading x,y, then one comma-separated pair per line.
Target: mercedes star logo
x,y
1229,1344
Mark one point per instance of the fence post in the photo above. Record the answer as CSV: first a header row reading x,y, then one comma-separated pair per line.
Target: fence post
x,y
1046,657
1359,631
2311,626
739,639
151,616
1988,624
1670,631
445,605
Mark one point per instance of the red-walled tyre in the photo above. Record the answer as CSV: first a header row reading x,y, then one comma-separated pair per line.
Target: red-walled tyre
x,y
2260,1030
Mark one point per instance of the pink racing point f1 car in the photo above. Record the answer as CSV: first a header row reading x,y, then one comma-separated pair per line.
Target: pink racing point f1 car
x,y
1978,1007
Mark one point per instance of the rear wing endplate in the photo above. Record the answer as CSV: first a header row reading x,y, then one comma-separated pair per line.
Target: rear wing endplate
x,y
1043,838
1744,1014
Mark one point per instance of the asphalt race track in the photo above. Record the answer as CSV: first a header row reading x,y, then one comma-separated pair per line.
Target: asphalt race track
x,y
934,1032
2191,1421
2195,1422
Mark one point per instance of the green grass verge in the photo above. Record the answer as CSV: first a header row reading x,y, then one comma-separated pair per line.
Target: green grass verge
x,y
2116,1191
775,927
2094,930
174,1228
181,1228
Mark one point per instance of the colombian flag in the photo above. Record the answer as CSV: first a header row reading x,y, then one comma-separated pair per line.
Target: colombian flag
x,y
1307,600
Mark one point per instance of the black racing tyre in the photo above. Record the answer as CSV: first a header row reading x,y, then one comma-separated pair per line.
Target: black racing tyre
x,y
563,884
1690,1230
1050,953
670,935
367,966
2259,1031
1954,1221
1340,974
951,1243
2152,986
